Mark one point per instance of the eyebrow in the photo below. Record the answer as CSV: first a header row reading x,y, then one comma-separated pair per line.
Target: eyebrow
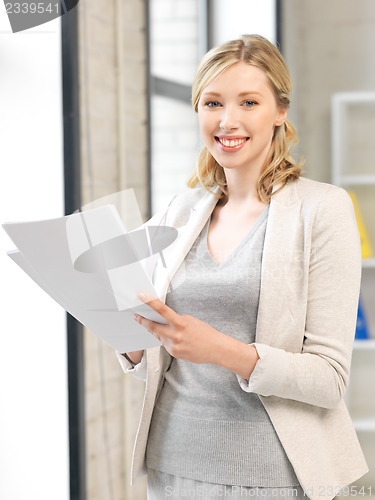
x,y
241,94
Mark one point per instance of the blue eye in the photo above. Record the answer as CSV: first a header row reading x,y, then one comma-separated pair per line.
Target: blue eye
x,y
249,104
212,104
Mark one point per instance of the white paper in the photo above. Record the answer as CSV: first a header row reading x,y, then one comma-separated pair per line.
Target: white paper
x,y
103,297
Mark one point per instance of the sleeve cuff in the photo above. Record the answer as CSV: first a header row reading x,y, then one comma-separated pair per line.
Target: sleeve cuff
x,y
269,373
139,370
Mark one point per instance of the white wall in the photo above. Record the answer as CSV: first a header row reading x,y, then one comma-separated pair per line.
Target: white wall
x,y
34,463
242,17
175,56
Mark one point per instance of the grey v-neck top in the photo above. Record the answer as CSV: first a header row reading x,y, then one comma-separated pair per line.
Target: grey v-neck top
x,y
204,426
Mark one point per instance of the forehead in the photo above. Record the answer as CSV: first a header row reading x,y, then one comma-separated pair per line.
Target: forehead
x,y
239,78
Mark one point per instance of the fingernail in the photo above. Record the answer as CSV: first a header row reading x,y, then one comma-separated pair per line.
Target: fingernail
x,y
142,296
136,317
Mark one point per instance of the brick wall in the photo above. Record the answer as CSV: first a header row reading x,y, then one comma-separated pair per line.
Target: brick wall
x,y
112,55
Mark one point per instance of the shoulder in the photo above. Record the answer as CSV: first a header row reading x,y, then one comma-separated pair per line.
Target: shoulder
x,y
190,197
328,209
309,188
320,207
181,205
315,195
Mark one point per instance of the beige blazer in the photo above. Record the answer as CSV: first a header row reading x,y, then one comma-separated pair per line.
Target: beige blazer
x,y
310,284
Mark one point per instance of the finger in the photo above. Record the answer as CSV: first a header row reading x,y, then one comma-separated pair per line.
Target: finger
x,y
152,326
157,305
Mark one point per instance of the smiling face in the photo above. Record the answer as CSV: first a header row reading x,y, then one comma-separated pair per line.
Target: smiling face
x,y
237,115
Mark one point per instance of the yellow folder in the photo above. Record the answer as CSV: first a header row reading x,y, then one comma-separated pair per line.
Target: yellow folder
x,y
365,240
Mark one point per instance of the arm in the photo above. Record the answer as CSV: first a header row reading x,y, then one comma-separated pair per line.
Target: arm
x,y
186,337
319,375
234,355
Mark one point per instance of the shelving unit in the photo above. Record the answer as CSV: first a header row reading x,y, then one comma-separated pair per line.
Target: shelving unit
x,y
368,263
364,344
353,168
341,103
364,424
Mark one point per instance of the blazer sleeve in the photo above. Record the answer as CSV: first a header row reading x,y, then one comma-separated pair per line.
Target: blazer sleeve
x,y
319,374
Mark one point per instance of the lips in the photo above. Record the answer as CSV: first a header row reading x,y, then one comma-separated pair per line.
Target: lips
x,y
231,143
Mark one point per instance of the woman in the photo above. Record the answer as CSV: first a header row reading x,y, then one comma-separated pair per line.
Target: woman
x,y
244,398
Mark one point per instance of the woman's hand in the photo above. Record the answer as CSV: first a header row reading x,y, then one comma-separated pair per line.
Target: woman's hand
x,y
186,337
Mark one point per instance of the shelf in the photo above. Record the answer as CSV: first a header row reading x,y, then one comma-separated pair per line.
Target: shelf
x,y
360,345
368,263
350,97
341,103
364,424
356,180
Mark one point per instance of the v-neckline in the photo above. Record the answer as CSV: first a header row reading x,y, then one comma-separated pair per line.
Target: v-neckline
x,y
262,216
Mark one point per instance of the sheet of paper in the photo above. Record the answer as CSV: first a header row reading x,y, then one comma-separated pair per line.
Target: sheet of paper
x,y
103,296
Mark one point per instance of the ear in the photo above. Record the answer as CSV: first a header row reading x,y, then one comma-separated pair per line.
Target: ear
x,y
281,117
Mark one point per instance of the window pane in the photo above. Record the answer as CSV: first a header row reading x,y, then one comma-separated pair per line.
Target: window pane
x,y
174,39
175,145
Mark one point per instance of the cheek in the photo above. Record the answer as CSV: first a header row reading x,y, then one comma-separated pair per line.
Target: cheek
x,y
204,124
267,124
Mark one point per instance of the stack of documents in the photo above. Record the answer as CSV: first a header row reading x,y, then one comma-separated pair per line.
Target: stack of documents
x,y
94,268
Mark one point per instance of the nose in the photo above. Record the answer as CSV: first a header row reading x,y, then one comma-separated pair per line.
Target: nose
x,y
229,118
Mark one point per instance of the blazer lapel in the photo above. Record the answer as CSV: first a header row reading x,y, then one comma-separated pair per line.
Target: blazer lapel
x,y
281,247
175,254
278,265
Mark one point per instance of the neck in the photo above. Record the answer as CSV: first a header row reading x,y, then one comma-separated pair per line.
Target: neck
x,y
242,186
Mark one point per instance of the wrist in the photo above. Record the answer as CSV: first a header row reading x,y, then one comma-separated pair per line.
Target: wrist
x,y
133,357
236,356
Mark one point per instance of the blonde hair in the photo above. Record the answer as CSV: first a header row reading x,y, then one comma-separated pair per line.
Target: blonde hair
x,y
279,167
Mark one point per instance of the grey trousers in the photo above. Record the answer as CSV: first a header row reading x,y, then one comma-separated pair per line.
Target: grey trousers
x,y
161,485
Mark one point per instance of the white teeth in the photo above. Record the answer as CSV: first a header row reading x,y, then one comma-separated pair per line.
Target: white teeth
x,y
231,144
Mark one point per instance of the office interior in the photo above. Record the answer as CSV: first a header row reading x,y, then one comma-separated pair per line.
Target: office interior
x,y
98,101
